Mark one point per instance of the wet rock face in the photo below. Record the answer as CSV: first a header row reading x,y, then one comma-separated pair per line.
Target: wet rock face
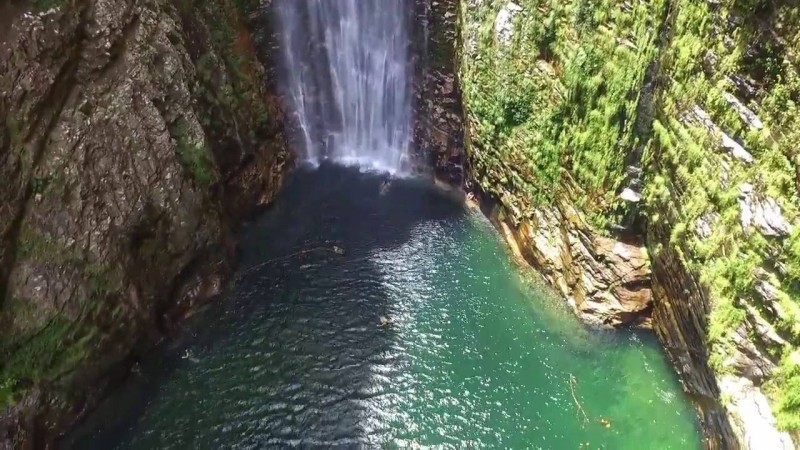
x,y
679,318
438,129
134,135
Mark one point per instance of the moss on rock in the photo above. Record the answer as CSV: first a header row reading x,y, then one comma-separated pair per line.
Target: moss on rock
x,y
699,101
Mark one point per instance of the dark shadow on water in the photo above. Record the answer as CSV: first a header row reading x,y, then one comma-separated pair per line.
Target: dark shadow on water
x,y
289,354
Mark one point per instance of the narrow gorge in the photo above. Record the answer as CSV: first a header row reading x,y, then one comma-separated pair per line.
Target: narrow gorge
x,y
313,223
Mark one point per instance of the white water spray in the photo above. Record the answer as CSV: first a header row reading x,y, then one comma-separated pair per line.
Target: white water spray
x,y
348,71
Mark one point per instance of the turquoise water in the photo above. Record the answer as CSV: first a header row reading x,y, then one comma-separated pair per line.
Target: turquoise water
x,y
475,356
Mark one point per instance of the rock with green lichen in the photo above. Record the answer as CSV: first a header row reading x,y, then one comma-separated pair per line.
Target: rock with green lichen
x,y
674,122
133,135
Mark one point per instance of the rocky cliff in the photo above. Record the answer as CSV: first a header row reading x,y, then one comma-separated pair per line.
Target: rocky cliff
x,y
438,138
134,134
644,156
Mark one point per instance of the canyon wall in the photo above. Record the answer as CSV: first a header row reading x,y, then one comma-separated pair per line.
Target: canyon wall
x,y
134,136
644,156
438,132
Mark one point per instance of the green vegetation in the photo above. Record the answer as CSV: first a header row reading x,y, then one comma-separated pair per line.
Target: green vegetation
x,y
236,91
33,245
41,345
44,356
196,157
705,182
14,130
45,341
552,114
46,5
786,391
562,95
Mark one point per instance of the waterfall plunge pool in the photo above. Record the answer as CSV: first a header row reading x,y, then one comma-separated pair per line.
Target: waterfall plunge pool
x,y
475,356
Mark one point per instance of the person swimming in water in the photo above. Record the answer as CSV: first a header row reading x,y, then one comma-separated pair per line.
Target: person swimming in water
x,y
385,184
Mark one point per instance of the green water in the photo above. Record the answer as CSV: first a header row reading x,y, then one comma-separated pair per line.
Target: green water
x,y
476,357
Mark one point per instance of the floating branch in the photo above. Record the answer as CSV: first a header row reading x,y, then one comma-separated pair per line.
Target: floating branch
x,y
572,383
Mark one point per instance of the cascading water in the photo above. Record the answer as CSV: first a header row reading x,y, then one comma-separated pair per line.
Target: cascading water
x,y
348,74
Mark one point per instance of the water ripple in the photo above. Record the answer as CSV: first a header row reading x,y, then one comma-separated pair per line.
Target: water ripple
x,y
473,358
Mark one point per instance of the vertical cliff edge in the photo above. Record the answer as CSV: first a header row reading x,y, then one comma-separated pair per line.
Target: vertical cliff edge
x,y
644,154
134,135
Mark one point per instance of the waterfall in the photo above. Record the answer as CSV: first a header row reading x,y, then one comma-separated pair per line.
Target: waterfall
x,y
348,79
